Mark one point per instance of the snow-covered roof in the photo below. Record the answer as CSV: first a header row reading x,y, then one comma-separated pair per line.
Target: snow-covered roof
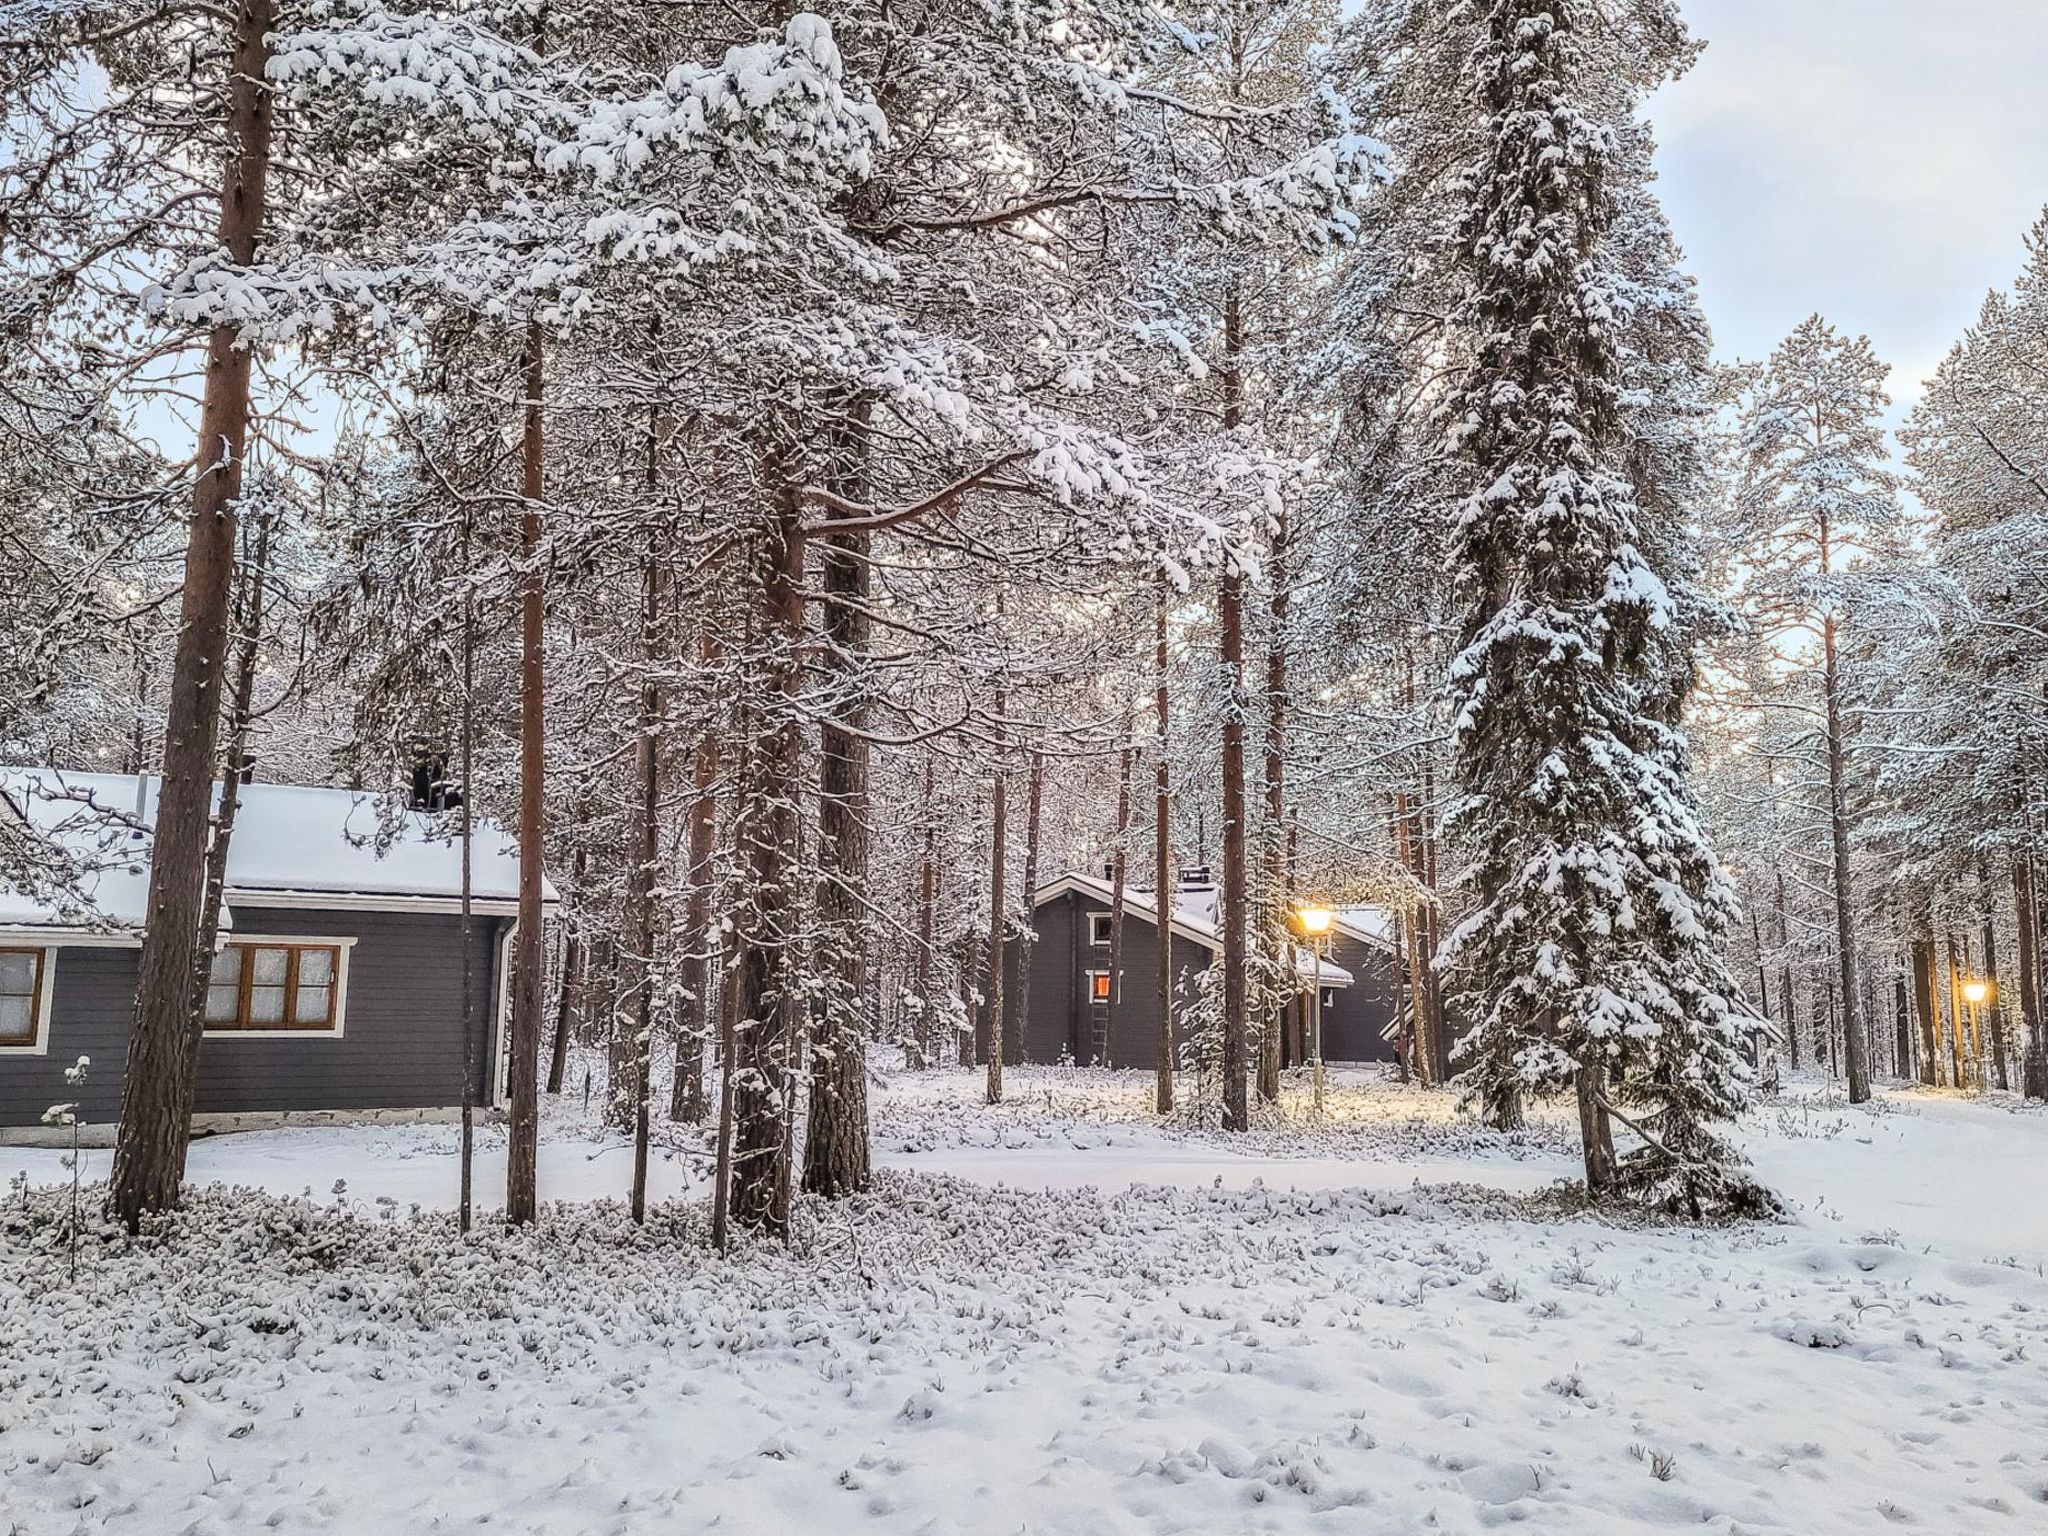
x,y
292,846
1193,917
1368,925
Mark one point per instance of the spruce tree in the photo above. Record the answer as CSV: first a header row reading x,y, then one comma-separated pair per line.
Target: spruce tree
x,y
1590,957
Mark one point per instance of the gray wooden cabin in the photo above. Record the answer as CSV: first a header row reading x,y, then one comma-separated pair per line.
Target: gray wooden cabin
x,y
338,980
1070,1021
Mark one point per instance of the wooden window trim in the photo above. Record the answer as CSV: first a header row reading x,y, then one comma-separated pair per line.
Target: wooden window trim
x,y
290,1028
38,1042
1103,920
1098,981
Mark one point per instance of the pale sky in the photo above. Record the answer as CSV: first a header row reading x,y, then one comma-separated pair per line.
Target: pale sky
x,y
1876,160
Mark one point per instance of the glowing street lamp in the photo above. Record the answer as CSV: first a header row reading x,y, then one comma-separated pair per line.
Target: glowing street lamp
x,y
1978,992
1315,923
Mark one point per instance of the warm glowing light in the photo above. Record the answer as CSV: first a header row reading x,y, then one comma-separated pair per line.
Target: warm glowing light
x,y
1315,921
1976,991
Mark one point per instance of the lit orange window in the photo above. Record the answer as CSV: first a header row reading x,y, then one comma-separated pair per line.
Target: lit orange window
x,y
1098,986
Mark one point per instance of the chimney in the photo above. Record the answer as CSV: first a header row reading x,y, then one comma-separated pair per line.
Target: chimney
x,y
1195,877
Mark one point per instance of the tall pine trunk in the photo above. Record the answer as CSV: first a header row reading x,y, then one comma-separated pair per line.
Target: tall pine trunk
x,y
998,856
522,1077
1856,1052
1119,880
1027,938
759,1064
836,1132
644,859
1162,869
163,1047
2033,1024
700,1011
1230,618
1273,878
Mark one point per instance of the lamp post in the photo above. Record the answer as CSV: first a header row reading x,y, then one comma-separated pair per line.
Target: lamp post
x,y
1315,923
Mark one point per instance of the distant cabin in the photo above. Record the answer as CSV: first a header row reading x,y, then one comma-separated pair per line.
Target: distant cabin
x,y
1070,976
338,981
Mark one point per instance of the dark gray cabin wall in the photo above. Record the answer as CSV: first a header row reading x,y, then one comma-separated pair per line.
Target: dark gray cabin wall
x,y
1352,1024
1063,1019
399,1047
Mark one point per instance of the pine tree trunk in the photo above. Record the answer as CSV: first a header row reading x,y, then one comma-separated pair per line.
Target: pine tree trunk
x,y
1230,619
1162,870
927,920
699,1004
522,1152
836,1157
997,895
1027,938
1856,1053
1275,895
1929,1009
1119,875
645,859
1994,1009
571,980
241,714
2033,1024
163,1046
759,1064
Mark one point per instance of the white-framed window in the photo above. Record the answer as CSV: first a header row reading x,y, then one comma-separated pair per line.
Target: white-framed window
x,y
25,999
1098,929
1098,987
1329,998
284,986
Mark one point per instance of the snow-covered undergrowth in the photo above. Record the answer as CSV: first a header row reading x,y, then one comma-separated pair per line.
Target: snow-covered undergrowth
x,y
947,1357
1043,1349
1365,1115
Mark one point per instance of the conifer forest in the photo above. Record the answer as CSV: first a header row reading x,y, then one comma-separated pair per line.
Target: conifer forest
x,y
1083,767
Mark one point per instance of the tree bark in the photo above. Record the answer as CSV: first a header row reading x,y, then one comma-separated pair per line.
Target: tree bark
x,y
998,857
1856,1045
1230,619
1994,1007
645,859
573,961
1273,881
927,919
2027,930
1119,880
700,1012
836,1156
759,1064
522,1078
1162,869
1928,1006
1596,1134
1027,937
163,1046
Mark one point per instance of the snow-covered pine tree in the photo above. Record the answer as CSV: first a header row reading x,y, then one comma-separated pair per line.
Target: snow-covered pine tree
x,y
1816,494
1590,957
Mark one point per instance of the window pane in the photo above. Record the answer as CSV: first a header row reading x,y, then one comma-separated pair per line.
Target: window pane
x,y
316,966
269,966
17,974
17,1021
222,1004
266,1005
227,966
312,1008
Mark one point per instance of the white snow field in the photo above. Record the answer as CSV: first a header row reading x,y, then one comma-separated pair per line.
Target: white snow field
x,y
1283,1334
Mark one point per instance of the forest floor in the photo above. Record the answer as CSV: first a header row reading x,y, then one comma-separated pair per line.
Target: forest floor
x,y
1053,1317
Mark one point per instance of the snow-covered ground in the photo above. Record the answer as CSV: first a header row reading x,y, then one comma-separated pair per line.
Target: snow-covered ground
x,y
1055,1317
